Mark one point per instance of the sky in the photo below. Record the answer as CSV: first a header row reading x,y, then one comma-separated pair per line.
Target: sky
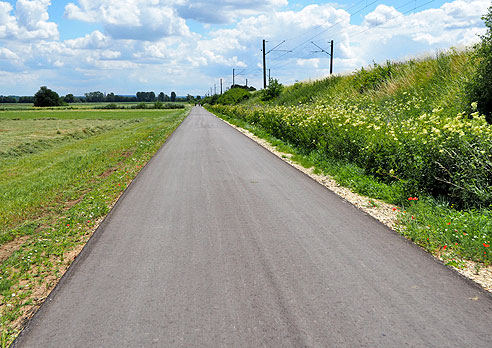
x,y
187,46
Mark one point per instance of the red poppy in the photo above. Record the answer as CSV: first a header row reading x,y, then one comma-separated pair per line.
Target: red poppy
x,y
394,209
444,247
413,217
486,245
68,225
449,223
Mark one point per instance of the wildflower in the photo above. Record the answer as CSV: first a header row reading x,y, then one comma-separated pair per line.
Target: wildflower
x,y
394,209
413,217
465,234
449,223
444,247
486,245
68,225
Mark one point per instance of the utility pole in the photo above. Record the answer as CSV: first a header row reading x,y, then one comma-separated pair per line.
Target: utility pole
x,y
264,66
331,58
268,76
215,88
330,54
246,82
264,61
233,77
220,86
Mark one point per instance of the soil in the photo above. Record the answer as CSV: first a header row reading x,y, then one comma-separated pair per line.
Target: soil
x,y
8,249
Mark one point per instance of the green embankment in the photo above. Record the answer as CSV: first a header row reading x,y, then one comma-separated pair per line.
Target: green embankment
x,y
393,132
60,171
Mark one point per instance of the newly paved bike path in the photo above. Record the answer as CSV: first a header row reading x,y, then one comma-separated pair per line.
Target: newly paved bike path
x,y
219,243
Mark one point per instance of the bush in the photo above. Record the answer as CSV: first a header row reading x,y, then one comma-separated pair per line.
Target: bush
x,y
273,90
233,96
480,89
373,78
46,97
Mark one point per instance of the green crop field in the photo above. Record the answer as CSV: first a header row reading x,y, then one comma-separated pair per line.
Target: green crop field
x,y
60,171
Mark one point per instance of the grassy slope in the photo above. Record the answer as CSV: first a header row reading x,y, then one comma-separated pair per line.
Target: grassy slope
x,y
434,87
55,195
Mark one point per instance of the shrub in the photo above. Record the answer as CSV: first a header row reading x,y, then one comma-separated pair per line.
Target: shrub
x,y
480,89
373,78
273,90
233,96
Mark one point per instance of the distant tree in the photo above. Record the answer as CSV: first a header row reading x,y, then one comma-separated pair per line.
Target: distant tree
x,y
110,97
160,97
173,97
94,97
69,98
46,97
8,99
145,96
26,99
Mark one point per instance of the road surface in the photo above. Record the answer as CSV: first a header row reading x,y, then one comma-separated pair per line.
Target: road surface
x,y
218,243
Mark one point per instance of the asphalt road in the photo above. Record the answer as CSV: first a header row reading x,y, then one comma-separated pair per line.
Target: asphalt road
x,y
218,243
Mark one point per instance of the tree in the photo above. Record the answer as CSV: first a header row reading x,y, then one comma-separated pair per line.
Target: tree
x,y
9,99
94,97
160,97
145,96
26,99
46,97
273,90
173,97
480,89
69,98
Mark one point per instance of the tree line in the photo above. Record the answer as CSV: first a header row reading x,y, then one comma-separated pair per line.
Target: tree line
x,y
48,97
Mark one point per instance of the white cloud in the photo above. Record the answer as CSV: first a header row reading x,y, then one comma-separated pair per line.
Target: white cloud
x,y
31,21
225,11
96,39
5,53
133,19
380,15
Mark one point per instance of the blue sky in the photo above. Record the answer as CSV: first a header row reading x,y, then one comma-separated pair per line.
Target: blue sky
x,y
78,46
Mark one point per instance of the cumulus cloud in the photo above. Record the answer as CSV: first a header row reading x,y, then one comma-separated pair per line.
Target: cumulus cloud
x,y
96,39
225,11
30,22
133,19
380,15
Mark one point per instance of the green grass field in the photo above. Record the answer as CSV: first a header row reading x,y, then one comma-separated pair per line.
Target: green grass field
x,y
60,171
